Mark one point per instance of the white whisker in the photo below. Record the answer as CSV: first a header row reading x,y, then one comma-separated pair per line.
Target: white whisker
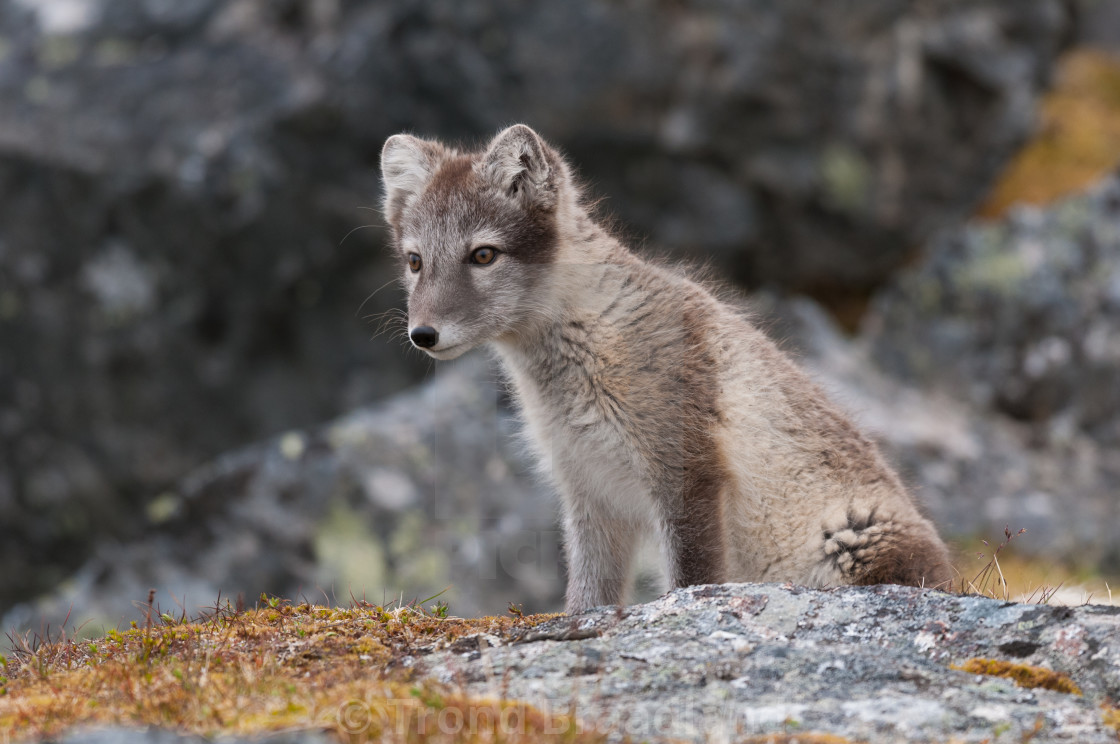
x,y
356,229
371,294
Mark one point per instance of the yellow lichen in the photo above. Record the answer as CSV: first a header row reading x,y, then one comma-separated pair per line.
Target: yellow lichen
x,y
1078,138
1022,674
1111,717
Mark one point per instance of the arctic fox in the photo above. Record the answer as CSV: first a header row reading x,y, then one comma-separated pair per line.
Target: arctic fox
x,y
650,403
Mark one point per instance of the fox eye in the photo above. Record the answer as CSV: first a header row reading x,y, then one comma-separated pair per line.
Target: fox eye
x,y
414,262
484,255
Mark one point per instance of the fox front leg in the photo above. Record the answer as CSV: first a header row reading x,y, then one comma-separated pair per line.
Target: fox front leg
x,y
692,532
599,548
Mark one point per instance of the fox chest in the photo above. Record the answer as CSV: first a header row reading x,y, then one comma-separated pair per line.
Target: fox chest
x,y
595,417
586,437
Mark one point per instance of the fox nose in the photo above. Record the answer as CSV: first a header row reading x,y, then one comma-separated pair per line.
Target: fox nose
x,y
424,336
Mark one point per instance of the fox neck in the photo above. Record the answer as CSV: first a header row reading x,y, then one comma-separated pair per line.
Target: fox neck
x,y
574,278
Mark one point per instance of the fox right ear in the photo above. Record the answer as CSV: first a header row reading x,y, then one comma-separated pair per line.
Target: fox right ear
x,y
517,163
407,164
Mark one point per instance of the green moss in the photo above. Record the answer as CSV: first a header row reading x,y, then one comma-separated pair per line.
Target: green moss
x,y
845,175
58,51
163,507
347,550
113,52
10,305
415,565
999,272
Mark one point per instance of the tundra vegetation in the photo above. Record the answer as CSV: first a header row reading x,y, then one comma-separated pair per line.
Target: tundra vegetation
x,y
278,666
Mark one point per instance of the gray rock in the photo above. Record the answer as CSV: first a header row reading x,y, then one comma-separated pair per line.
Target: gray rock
x,y
1097,23
713,663
178,179
1021,316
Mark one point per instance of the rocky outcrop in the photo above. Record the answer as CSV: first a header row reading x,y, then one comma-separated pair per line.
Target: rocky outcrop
x,y
1021,316
178,180
717,663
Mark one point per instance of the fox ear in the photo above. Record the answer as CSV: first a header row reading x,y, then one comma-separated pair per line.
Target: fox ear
x,y
519,164
407,164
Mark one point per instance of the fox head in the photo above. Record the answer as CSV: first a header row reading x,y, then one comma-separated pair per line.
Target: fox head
x,y
475,234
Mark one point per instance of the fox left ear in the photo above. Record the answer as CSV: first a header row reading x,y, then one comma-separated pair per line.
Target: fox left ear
x,y
407,165
518,164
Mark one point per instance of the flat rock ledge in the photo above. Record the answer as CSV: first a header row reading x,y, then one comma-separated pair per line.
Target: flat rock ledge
x,y
869,664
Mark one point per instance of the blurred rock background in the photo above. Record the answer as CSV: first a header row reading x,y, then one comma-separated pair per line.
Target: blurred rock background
x,y
190,253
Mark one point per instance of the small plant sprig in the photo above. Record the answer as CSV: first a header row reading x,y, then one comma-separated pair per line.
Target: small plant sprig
x,y
991,573
403,611
271,602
